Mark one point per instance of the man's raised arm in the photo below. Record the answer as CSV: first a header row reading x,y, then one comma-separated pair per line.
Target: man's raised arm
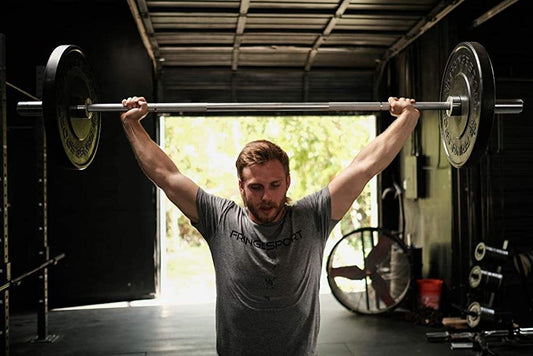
x,y
155,163
374,158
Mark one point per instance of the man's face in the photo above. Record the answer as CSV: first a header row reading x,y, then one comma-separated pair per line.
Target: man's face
x,y
263,190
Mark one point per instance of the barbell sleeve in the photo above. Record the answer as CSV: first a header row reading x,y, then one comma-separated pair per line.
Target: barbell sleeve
x,y
506,106
30,108
509,106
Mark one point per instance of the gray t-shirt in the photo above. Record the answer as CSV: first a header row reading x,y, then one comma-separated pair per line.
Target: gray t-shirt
x,y
267,276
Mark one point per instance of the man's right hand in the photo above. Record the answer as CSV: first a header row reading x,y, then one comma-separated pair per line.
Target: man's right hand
x,y
137,109
398,106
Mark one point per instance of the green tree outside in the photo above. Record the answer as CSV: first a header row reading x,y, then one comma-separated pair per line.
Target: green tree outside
x,y
205,149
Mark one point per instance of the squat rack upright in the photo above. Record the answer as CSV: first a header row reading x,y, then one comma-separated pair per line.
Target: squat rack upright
x,y
41,228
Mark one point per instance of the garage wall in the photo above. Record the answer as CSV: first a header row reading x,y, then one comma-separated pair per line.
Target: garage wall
x,y
424,170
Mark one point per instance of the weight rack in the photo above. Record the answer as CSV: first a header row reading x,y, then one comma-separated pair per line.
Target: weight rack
x,y
486,278
490,325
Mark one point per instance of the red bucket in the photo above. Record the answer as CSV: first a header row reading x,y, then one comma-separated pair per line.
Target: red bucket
x,y
429,292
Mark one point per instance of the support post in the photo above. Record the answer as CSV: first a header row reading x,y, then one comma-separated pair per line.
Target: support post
x,y
5,269
41,209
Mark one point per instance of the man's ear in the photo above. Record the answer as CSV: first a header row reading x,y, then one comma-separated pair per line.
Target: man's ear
x,y
241,186
288,181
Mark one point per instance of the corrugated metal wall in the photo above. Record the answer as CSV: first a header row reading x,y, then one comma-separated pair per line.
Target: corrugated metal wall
x,y
263,85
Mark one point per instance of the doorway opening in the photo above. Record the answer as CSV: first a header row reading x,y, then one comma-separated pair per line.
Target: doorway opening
x,y
205,148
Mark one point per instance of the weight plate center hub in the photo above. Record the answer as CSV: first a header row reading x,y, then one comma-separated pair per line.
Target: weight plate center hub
x,y
459,123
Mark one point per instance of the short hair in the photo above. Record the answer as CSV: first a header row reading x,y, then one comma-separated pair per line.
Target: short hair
x,y
260,152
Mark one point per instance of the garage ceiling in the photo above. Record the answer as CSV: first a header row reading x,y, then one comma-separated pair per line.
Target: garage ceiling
x,y
260,50
306,34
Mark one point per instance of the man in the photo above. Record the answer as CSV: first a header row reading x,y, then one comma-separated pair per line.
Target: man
x,y
267,255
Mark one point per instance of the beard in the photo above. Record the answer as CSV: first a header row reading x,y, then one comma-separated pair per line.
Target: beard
x,y
265,212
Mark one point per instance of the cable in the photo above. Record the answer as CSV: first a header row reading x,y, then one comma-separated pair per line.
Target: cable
x,y
22,91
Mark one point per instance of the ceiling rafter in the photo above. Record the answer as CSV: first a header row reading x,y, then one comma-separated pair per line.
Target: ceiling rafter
x,y
325,33
141,15
239,31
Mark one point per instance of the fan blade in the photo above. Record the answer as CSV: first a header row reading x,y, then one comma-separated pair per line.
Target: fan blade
x,y
381,288
378,253
350,272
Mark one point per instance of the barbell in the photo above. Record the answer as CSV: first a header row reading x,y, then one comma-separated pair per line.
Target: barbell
x,y
71,109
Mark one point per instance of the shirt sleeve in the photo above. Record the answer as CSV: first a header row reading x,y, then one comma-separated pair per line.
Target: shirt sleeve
x,y
210,210
319,204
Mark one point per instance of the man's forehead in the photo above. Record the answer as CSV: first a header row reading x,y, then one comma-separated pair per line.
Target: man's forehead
x,y
268,171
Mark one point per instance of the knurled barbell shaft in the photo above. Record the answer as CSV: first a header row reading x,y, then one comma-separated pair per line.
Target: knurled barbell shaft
x,y
231,107
507,106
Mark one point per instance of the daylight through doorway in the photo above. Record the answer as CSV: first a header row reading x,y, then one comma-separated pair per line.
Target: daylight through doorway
x,y
205,148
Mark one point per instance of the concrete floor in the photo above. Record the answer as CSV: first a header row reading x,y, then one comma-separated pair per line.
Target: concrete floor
x,y
190,330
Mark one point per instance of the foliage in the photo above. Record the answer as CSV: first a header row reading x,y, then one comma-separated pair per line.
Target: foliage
x,y
319,147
